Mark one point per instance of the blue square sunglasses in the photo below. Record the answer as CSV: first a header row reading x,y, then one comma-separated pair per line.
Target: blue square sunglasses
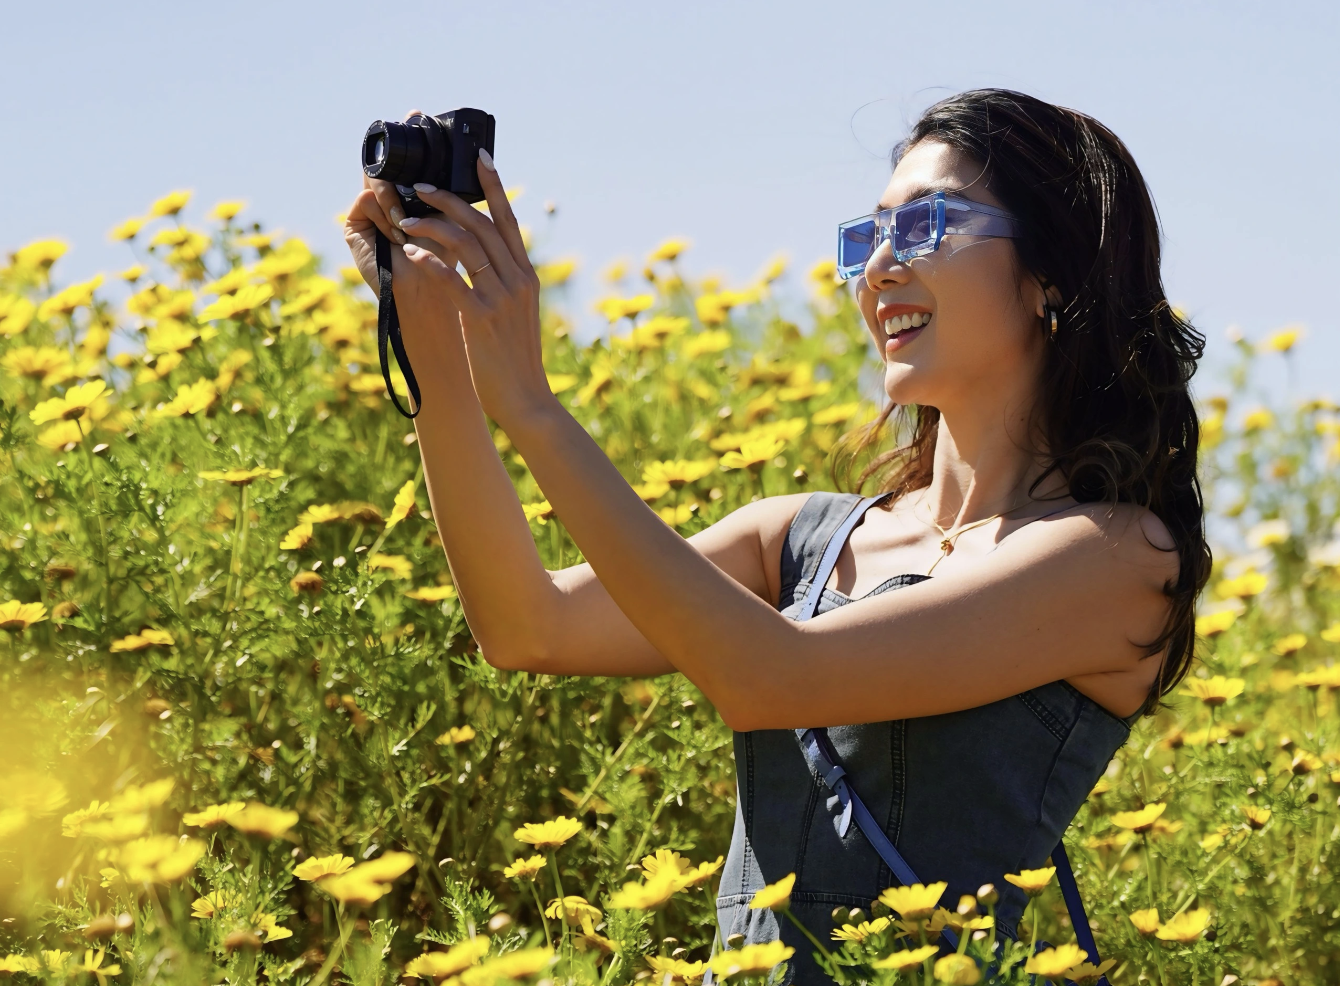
x,y
916,229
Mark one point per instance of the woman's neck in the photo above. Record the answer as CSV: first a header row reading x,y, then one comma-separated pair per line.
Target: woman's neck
x,y
984,466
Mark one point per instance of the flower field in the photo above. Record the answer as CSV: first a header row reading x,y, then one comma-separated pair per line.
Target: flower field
x,y
247,734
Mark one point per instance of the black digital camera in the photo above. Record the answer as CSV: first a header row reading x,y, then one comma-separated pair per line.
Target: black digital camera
x,y
436,150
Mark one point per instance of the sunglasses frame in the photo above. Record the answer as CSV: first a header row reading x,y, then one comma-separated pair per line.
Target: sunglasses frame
x,y
950,214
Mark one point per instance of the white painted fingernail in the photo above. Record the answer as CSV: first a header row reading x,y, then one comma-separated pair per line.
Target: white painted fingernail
x,y
487,158
412,251
407,222
423,186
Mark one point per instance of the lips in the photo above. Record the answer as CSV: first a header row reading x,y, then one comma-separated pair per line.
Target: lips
x,y
902,323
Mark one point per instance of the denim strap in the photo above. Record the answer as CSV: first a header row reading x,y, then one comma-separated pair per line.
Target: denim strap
x,y
822,757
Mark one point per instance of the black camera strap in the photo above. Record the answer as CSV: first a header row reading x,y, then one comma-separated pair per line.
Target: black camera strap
x,y
388,329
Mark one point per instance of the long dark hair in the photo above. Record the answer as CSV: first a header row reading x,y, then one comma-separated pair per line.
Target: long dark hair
x,y
1114,409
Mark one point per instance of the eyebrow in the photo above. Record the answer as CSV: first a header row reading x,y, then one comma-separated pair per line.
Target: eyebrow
x,y
920,191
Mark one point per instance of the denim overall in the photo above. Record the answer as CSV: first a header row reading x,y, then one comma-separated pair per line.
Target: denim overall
x,y
966,796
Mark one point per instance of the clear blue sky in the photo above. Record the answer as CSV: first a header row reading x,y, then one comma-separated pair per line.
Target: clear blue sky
x,y
751,128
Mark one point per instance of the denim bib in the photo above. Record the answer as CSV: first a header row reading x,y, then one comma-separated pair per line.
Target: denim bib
x,y
966,796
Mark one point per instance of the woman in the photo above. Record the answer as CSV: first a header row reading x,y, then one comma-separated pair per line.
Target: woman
x,y
1049,486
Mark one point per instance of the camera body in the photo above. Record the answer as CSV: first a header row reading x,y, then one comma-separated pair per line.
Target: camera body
x,y
437,150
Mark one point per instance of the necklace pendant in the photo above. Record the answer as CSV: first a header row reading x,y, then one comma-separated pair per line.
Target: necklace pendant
x,y
947,546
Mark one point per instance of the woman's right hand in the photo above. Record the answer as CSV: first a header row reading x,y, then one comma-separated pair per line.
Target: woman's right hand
x,y
378,207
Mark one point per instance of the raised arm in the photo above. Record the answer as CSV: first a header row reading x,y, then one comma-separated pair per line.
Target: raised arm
x,y
522,616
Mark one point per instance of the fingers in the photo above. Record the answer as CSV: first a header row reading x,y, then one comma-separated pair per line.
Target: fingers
x,y
472,221
458,244
366,211
457,290
389,206
504,220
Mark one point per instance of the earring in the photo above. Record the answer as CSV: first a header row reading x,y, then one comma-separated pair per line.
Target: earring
x,y
1049,320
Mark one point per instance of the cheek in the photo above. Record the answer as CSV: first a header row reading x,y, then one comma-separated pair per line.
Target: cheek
x,y
981,319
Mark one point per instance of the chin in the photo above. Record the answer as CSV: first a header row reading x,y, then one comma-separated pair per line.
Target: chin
x,y
905,384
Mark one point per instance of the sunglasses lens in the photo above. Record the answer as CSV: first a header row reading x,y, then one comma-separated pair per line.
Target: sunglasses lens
x,y
913,226
856,242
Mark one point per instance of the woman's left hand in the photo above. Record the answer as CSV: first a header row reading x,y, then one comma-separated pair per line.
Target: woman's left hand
x,y
500,305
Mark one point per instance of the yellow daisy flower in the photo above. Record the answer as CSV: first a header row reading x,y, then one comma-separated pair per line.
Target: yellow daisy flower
x,y
775,896
957,970
170,204
71,405
213,816
548,835
404,503
573,909
669,249
750,959
432,593
1146,922
399,566
1185,927
679,970
905,959
1055,962
1032,882
916,901
319,867
262,820
240,477
297,538
17,617
456,735
525,869
1139,821
1216,690
860,932
1213,624
522,963
441,965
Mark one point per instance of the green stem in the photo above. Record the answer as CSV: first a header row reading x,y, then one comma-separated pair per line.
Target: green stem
x,y
324,972
241,554
535,892
558,883
623,747
646,832
1149,868
102,527
808,934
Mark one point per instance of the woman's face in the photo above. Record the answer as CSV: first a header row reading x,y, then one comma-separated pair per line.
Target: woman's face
x,y
981,339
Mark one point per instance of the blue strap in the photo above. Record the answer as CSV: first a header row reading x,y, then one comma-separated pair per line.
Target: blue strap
x,y
822,757
828,560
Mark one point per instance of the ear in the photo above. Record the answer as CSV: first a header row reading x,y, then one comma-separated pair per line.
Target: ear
x,y
1044,294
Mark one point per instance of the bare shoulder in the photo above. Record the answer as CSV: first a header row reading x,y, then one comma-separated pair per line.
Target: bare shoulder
x,y
1121,535
747,542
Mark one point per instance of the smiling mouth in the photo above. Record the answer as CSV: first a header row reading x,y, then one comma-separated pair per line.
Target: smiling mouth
x,y
898,324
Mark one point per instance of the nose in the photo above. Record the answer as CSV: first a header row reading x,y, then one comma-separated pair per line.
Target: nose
x,y
883,269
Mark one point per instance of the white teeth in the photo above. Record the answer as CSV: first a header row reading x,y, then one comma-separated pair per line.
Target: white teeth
x,y
901,323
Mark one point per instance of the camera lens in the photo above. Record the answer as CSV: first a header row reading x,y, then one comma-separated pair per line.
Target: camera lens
x,y
376,153
403,153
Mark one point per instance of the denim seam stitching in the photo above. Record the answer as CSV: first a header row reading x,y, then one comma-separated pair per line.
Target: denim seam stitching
x,y
1106,711
811,808
749,806
1045,715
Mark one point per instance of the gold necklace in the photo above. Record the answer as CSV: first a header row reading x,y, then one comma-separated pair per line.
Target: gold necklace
x,y
948,537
